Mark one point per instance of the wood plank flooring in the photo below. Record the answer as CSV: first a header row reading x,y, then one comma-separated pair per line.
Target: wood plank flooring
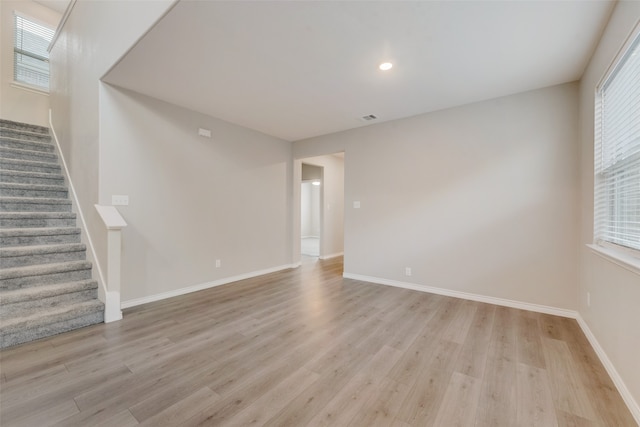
x,y
306,347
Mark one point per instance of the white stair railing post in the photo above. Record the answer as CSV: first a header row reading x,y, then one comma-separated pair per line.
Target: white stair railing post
x,y
114,223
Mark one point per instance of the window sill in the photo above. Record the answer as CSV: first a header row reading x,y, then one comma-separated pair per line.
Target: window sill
x,y
29,88
617,257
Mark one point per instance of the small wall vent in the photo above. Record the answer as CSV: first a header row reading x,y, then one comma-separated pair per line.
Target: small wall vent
x,y
368,118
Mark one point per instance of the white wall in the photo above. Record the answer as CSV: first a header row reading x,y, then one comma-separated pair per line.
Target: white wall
x,y
95,36
480,199
16,103
192,199
332,217
310,210
614,317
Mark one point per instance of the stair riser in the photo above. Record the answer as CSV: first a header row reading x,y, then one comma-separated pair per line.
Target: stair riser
x,y
26,308
24,135
45,147
22,261
46,279
27,179
41,168
8,124
10,339
27,192
37,222
32,156
10,206
11,241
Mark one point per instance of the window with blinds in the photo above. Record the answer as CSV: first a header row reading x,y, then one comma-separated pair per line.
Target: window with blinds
x,y
617,153
31,59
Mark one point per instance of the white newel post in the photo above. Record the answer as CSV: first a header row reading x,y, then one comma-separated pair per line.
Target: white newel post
x,y
114,223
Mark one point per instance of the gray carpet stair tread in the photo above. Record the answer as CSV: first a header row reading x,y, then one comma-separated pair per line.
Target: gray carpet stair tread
x,y
19,125
29,163
48,231
46,291
30,174
25,144
49,329
51,315
42,187
41,220
21,153
36,200
29,301
31,215
40,191
24,134
40,249
43,269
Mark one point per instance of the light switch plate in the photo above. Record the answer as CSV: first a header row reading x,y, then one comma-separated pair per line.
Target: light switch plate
x,y
204,132
118,200
356,205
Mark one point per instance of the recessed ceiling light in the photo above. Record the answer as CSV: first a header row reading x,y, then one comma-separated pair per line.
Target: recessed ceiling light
x,y
386,66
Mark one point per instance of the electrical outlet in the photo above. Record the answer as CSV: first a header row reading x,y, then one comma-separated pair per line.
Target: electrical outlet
x,y
120,200
407,271
218,263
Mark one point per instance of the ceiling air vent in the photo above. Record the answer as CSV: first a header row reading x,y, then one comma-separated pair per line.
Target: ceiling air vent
x,y
368,118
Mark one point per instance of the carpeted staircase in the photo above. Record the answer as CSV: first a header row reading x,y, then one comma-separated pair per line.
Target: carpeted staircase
x,y
45,280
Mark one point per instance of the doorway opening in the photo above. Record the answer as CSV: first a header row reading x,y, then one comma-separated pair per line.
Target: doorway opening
x,y
311,210
318,231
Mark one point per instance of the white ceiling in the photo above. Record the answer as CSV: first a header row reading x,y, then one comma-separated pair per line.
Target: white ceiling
x,y
297,69
58,5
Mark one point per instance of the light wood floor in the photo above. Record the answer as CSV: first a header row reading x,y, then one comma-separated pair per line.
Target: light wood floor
x,y
305,347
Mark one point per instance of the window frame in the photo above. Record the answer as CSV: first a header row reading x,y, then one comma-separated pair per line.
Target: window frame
x,y
16,50
624,256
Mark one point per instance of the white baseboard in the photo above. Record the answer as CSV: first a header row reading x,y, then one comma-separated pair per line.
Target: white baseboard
x,y
182,291
466,295
336,255
611,370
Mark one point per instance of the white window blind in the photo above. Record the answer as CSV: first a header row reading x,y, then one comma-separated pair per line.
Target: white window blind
x,y
31,59
617,153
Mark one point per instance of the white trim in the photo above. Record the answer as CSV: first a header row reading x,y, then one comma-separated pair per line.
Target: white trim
x,y
63,21
618,257
112,311
562,312
111,217
336,255
619,55
202,286
30,88
102,291
611,370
